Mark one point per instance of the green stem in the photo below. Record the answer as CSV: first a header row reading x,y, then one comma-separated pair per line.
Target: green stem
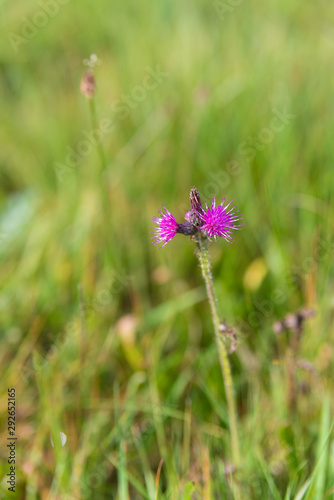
x,y
95,126
100,172
204,261
98,176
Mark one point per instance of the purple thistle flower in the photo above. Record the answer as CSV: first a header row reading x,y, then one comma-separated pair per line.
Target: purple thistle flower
x,y
167,228
217,221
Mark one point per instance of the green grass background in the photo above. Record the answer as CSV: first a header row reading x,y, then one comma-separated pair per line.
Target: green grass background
x,y
108,339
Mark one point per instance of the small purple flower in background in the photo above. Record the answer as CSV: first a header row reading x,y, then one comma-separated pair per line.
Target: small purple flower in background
x,y
217,221
167,228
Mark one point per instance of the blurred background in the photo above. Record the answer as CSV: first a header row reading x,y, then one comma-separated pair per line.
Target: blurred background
x,y
107,340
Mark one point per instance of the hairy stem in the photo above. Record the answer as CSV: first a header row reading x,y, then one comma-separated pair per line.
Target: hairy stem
x,y
204,261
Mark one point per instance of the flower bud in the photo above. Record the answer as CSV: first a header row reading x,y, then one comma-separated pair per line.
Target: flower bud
x,y
87,85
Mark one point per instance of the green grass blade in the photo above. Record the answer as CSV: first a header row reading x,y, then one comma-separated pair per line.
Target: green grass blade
x,y
322,451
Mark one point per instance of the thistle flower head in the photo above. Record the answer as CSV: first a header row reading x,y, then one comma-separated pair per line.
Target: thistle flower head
x,y
210,221
218,221
166,229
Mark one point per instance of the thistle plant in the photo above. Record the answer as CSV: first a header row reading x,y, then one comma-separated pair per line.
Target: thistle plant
x,y
204,224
